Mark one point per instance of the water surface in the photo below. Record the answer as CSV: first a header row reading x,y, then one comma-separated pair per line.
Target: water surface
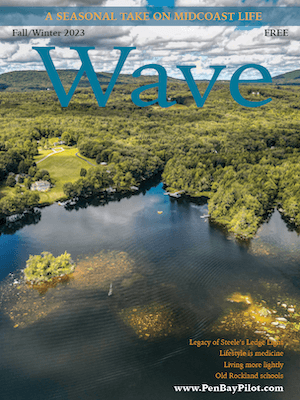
x,y
79,343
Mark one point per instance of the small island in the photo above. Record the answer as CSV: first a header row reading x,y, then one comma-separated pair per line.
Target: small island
x,y
45,267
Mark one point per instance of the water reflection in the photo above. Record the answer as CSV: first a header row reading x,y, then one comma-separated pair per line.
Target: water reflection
x,y
12,225
171,274
276,239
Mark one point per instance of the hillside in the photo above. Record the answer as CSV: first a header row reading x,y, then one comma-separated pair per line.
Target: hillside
x,y
289,78
24,81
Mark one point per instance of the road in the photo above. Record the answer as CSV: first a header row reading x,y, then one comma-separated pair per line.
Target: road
x,y
76,154
55,151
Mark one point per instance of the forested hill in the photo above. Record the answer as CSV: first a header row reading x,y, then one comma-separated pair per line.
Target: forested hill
x,y
24,81
244,160
289,78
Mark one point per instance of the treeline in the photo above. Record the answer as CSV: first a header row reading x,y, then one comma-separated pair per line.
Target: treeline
x,y
18,202
240,199
125,166
289,193
16,158
240,194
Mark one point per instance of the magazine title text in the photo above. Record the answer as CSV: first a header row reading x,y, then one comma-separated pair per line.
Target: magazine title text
x,y
161,85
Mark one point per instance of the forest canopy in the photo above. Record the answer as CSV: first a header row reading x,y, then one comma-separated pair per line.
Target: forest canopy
x,y
244,161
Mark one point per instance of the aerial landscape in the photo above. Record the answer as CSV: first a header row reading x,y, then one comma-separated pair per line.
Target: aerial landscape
x,y
243,161
139,228
150,200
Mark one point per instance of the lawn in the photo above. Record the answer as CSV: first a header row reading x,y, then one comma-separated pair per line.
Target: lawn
x,y
63,167
42,153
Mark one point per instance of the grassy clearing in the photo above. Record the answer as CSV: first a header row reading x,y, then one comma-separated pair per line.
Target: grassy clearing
x,y
63,167
42,153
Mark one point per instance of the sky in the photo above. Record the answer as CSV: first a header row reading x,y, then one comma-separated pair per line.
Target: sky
x,y
167,46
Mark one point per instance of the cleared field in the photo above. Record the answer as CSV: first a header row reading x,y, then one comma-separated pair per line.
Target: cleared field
x,y
42,153
63,167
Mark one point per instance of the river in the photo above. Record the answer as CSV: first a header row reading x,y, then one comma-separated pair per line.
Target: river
x,y
174,277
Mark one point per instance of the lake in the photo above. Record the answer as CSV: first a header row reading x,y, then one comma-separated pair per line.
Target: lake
x,y
174,277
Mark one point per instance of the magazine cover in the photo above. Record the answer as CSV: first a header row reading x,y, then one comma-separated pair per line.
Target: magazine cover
x,y
149,200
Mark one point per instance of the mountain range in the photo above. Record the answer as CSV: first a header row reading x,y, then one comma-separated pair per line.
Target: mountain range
x,y
22,81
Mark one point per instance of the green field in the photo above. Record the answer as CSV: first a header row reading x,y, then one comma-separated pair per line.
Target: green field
x,y
42,153
63,167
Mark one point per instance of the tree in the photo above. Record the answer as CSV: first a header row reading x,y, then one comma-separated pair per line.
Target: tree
x,y
68,138
17,203
83,172
28,183
42,174
22,168
99,158
11,181
45,267
70,190
32,171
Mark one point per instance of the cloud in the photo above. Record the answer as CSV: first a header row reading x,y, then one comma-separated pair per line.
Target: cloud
x,y
53,3
235,3
167,46
200,46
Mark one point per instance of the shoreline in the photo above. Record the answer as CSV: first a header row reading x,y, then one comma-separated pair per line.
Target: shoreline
x,y
14,222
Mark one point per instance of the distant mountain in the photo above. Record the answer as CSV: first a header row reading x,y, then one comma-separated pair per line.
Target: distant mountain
x,y
17,81
289,78
23,81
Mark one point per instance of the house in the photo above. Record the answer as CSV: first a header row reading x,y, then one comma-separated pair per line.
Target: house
x,y
41,186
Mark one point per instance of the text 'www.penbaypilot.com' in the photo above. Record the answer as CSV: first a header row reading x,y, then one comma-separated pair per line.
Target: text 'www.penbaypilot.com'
x,y
222,388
